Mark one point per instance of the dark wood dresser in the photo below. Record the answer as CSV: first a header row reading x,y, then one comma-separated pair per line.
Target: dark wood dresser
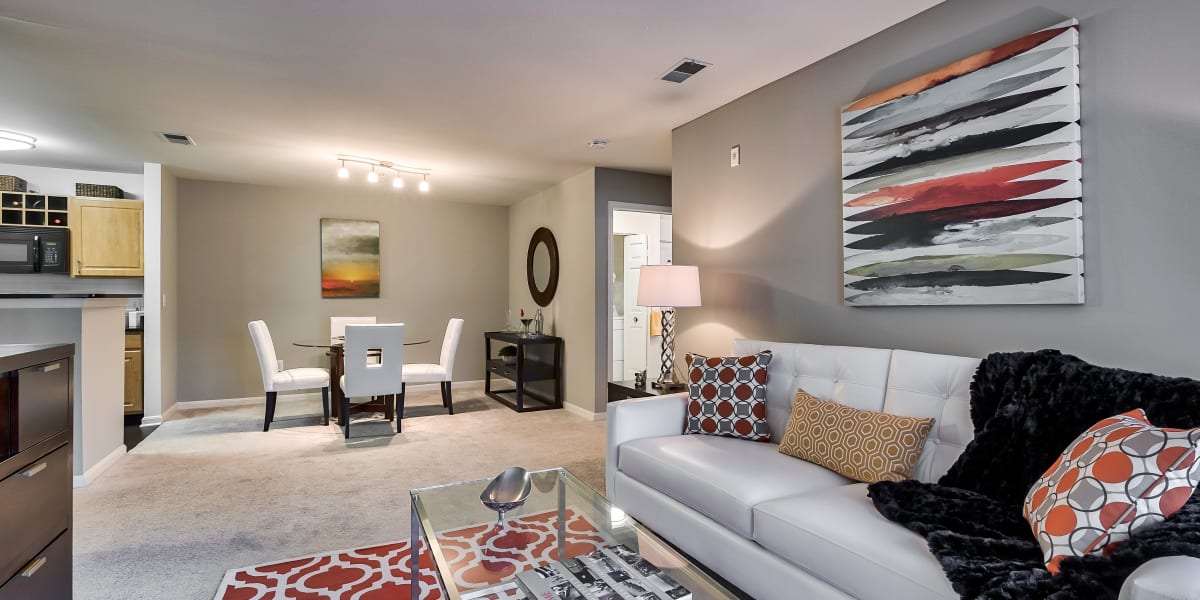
x,y
35,473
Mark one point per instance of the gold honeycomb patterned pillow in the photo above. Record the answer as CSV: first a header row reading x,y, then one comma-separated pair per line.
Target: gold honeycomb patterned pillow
x,y
860,444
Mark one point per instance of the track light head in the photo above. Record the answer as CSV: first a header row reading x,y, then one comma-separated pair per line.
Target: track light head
x,y
424,185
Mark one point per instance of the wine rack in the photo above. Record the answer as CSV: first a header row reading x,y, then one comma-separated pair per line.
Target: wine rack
x,y
37,210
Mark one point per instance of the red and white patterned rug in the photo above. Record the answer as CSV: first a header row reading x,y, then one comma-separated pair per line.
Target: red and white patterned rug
x,y
480,555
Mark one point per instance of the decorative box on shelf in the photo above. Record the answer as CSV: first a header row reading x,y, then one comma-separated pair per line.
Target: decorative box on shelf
x,y
12,183
92,190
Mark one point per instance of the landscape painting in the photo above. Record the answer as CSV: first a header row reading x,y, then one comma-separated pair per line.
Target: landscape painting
x,y
962,186
349,258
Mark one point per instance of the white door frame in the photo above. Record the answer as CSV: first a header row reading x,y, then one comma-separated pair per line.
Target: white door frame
x,y
614,206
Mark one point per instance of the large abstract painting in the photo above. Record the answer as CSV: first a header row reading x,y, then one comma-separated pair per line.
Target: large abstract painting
x,y
962,186
349,258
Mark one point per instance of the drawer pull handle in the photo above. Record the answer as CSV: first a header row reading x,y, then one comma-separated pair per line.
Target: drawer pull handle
x,y
34,470
47,368
33,567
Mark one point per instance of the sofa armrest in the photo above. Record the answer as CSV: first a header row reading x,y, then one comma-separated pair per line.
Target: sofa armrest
x,y
638,418
1166,578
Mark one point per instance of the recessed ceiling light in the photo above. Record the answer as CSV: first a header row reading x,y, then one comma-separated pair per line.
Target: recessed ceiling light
x,y
177,138
684,69
11,140
597,144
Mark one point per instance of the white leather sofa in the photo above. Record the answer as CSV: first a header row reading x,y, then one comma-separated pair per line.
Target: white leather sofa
x,y
778,527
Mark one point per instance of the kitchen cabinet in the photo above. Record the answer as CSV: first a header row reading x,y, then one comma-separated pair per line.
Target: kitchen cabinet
x,y
133,372
106,238
35,473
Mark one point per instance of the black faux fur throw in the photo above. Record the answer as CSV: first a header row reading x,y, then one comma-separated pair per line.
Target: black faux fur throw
x,y
1026,407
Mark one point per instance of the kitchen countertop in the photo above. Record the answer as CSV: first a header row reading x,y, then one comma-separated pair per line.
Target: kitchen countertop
x,y
19,356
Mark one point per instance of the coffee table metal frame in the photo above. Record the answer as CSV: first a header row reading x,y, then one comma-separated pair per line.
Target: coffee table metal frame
x,y
702,586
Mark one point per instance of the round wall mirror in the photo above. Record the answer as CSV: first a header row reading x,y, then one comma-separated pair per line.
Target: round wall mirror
x,y
541,266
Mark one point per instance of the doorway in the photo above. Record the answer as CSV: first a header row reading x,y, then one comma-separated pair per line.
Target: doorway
x,y
639,236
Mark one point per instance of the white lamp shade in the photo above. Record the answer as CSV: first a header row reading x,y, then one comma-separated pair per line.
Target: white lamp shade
x,y
669,286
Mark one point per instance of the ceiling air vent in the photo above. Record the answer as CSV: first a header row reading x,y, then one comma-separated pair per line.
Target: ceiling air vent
x,y
686,68
177,138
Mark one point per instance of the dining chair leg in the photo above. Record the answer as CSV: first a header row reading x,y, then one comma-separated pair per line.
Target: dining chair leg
x,y
325,406
400,409
346,414
447,396
270,416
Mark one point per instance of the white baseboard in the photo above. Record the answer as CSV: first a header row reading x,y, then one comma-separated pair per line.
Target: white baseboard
x,y
151,421
97,469
580,411
252,400
247,401
167,414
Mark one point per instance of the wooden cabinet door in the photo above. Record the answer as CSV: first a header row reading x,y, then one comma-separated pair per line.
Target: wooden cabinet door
x,y
133,380
106,238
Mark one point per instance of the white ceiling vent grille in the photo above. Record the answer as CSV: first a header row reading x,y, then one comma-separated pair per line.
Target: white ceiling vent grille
x,y
177,138
685,69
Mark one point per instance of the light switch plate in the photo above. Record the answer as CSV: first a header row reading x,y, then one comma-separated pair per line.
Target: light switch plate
x,y
735,155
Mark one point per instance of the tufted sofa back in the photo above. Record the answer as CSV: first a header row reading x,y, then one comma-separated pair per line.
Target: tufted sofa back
x,y
899,382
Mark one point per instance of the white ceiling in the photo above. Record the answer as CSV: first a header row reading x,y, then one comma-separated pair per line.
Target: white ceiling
x,y
498,98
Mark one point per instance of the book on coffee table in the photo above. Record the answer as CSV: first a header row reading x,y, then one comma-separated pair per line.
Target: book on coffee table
x,y
612,573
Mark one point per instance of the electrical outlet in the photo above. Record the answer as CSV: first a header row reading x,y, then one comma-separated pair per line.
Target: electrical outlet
x,y
735,155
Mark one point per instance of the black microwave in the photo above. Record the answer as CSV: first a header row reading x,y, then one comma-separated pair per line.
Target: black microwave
x,y
33,250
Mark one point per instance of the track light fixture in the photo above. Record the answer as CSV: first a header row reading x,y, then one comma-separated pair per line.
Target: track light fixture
x,y
373,175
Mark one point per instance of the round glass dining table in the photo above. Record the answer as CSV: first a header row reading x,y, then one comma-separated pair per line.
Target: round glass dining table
x,y
335,351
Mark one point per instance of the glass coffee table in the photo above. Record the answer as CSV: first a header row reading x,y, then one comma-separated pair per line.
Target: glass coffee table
x,y
472,549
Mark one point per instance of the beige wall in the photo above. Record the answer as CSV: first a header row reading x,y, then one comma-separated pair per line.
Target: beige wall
x,y
567,209
577,211
251,252
160,230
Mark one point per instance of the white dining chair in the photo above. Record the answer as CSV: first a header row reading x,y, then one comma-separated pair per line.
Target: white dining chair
x,y
443,371
374,366
276,379
337,326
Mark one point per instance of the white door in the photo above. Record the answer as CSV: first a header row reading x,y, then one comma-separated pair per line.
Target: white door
x,y
636,334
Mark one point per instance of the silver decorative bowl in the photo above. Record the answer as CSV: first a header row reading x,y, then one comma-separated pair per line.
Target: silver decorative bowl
x,y
507,491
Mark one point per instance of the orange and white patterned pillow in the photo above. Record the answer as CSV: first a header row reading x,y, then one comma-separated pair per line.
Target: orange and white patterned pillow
x,y
1119,476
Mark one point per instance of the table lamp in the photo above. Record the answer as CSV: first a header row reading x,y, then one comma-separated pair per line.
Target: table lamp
x,y
668,287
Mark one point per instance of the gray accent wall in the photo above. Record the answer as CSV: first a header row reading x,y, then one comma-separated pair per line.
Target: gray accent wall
x,y
249,252
767,234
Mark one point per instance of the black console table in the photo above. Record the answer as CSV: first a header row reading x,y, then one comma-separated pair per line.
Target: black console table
x,y
536,372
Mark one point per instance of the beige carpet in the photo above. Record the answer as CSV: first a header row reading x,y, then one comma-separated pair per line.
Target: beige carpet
x,y
211,491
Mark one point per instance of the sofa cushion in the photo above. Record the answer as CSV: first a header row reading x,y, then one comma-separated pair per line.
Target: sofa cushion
x,y
727,396
852,376
838,535
723,478
863,445
937,386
